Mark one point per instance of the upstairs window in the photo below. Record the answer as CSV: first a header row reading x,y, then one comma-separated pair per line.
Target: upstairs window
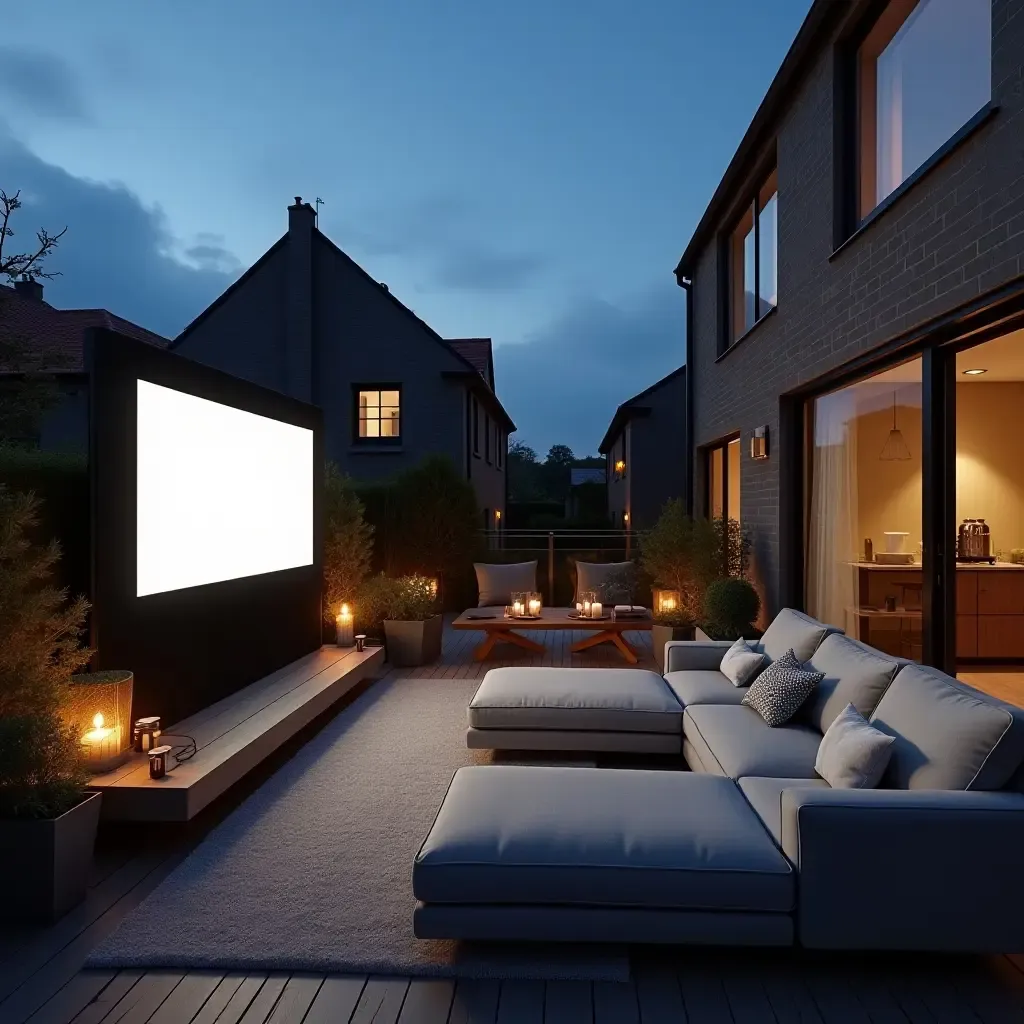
x,y
752,269
379,413
487,438
475,407
924,69
499,446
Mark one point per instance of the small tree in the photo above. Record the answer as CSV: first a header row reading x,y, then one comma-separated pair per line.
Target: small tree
x,y
40,648
348,541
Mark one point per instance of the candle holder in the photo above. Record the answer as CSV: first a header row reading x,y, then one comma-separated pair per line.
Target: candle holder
x,y
99,709
345,626
667,602
533,605
585,604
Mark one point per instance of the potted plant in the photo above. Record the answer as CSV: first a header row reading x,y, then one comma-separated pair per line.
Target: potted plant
x,y
407,609
683,555
48,821
731,606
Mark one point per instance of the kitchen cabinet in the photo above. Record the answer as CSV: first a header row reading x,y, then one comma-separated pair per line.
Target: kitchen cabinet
x,y
1000,636
967,636
1000,592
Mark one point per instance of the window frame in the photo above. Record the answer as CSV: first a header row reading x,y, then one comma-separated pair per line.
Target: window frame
x,y
488,457
721,446
475,425
751,193
498,446
377,441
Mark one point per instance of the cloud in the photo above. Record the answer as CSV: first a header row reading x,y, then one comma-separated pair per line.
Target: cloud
x,y
563,384
117,254
40,83
440,230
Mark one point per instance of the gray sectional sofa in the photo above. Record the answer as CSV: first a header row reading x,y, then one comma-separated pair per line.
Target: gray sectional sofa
x,y
750,846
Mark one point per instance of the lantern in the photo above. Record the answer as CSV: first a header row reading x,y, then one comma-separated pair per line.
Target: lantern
x,y
667,602
533,604
344,624
99,709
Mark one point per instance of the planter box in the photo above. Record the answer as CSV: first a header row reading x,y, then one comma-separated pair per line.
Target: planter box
x,y
45,863
661,635
413,643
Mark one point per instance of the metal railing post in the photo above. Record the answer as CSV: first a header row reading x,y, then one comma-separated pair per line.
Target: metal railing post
x,y
551,568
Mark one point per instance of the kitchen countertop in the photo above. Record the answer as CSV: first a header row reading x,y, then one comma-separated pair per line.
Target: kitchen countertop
x,y
983,566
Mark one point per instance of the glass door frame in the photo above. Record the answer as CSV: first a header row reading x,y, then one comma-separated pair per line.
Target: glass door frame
x,y
721,446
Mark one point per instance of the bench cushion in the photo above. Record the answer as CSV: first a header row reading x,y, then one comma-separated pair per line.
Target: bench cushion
x,y
707,686
765,796
516,834
736,742
601,699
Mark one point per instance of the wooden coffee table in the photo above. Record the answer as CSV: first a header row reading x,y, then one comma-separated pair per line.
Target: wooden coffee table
x,y
492,621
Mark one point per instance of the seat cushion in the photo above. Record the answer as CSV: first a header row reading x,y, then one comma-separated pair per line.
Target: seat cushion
x,y
515,834
948,736
605,699
853,674
496,583
765,796
792,630
694,686
736,742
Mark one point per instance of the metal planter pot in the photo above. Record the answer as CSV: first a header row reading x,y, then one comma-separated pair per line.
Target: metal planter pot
x,y
46,862
413,643
661,635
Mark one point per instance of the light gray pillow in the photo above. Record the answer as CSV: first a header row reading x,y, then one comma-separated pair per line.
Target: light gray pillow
x,y
609,580
777,693
496,583
853,754
742,663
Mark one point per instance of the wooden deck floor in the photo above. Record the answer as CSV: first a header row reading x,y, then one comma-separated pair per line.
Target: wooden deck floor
x,y
42,981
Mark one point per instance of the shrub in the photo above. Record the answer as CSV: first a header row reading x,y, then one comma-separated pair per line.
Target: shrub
x,y
40,647
731,605
738,561
407,599
348,541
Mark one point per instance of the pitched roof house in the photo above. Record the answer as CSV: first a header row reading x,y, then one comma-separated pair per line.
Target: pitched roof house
x,y
305,319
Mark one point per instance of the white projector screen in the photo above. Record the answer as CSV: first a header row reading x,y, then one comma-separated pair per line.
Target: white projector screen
x,y
222,493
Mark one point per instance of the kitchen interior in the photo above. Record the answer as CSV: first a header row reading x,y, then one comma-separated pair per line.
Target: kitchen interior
x,y
880,454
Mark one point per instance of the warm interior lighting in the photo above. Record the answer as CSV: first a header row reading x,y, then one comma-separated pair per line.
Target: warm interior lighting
x,y
620,466
974,373
895,448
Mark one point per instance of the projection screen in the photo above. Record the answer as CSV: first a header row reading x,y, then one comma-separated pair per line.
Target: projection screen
x,y
221,493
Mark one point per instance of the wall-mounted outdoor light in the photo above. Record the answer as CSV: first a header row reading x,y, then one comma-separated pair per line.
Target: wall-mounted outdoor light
x,y
759,443
625,520
620,467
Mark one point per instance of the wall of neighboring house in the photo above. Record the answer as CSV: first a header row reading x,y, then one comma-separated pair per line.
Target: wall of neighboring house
x,y
954,235
486,449
65,426
619,485
658,448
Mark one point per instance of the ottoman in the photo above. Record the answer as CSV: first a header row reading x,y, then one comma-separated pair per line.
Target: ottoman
x,y
523,853
600,709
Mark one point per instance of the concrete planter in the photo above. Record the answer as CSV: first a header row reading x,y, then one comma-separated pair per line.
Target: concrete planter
x,y
661,635
413,643
46,863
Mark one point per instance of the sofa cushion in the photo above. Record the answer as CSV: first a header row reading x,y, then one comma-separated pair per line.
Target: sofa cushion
x,y
602,699
853,674
778,693
609,580
853,754
518,834
741,663
735,741
765,796
496,582
948,736
792,630
704,687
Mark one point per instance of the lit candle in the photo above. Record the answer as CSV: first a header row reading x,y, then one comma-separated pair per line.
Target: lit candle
x,y
587,609
535,606
518,609
344,624
101,744
579,608
596,610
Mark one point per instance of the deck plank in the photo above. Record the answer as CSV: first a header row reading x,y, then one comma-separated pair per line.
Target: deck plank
x,y
659,995
69,1001
521,1002
188,998
475,1002
262,1006
241,999
219,998
381,1001
100,1006
571,1002
703,994
296,999
336,1000
615,1002
428,1001
144,998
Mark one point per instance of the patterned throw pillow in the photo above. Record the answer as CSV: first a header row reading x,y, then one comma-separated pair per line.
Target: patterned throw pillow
x,y
777,693
742,663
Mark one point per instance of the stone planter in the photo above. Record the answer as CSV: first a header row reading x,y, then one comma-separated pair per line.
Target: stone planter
x,y
661,635
46,862
413,643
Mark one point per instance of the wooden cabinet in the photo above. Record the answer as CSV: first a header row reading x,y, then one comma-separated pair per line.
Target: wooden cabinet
x,y
1000,592
967,636
966,592
1000,636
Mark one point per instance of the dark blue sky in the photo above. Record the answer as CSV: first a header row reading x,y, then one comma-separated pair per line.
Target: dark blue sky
x,y
527,171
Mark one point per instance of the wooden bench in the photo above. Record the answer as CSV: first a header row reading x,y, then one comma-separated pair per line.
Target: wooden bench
x,y
233,736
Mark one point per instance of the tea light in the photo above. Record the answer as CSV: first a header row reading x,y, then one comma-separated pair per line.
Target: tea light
x,y
101,745
534,604
345,626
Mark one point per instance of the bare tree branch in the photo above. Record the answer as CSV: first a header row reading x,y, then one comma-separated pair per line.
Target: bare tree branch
x,y
24,264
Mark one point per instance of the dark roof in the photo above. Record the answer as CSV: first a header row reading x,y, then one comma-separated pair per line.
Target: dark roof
x,y
822,16
55,337
631,407
476,352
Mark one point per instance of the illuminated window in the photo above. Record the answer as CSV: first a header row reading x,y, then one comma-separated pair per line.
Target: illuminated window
x,y
379,414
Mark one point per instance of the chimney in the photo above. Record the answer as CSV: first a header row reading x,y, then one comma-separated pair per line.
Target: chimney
x,y
299,301
301,216
29,288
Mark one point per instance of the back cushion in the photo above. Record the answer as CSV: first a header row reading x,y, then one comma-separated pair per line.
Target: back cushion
x,y
611,581
948,736
854,674
793,629
496,583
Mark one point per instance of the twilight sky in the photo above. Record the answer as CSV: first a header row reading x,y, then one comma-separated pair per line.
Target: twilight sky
x,y
528,171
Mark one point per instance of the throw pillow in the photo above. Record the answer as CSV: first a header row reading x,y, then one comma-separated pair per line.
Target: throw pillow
x,y
611,581
853,754
777,693
742,663
496,583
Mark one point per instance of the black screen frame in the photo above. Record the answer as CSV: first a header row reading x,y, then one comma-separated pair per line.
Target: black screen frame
x,y
188,648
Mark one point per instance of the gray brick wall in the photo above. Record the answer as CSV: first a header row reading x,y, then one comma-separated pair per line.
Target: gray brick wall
x,y
955,235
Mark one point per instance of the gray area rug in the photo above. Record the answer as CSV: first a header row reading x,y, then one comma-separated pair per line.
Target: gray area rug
x,y
314,871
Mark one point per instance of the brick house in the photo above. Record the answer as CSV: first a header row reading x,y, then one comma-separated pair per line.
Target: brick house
x,y
305,319
855,342
645,447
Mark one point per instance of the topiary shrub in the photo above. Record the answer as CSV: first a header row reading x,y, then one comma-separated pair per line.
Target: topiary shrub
x,y
731,606
405,599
